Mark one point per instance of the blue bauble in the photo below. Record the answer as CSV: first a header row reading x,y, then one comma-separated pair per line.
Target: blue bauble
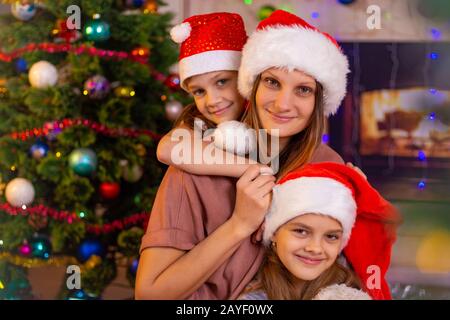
x,y
346,2
83,161
97,30
40,247
138,3
134,3
21,65
81,295
133,266
39,150
89,248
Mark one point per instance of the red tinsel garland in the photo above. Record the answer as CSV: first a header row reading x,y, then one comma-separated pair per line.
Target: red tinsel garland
x,y
65,47
40,210
120,224
70,217
97,127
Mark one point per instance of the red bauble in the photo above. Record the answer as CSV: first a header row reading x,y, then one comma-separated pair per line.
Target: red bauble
x,y
173,82
109,190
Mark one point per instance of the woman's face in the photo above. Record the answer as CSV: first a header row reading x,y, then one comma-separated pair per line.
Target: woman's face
x,y
216,95
308,245
285,101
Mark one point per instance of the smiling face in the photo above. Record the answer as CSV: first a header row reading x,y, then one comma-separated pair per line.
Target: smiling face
x,y
216,95
308,245
285,101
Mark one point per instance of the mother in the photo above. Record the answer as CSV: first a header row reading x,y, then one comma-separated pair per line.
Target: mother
x,y
197,244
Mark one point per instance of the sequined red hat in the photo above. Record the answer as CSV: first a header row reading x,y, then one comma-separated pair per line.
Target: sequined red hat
x,y
209,42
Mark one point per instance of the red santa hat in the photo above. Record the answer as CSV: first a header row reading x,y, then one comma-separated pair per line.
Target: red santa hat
x,y
368,221
284,40
209,42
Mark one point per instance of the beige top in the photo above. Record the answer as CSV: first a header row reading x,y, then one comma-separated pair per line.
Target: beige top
x,y
188,208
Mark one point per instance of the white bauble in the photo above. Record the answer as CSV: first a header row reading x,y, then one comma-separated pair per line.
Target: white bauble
x,y
23,12
43,74
235,137
19,192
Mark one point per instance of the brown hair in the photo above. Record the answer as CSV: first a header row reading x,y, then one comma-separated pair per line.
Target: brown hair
x,y
279,284
188,116
301,146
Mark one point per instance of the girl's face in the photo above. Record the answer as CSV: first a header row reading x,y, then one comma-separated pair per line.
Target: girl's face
x,y
308,245
216,95
285,100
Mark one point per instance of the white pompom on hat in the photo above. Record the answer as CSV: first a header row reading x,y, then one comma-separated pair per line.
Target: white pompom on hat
x,y
235,137
180,32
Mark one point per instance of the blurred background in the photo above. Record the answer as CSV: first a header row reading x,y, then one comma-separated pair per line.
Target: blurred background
x,y
81,110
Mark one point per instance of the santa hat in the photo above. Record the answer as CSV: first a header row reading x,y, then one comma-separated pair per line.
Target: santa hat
x,y
209,42
368,221
284,40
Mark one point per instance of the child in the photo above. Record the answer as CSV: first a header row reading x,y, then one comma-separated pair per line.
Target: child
x,y
316,213
210,55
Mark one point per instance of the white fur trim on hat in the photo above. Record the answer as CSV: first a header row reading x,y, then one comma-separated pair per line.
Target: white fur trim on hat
x,y
304,195
208,61
235,137
180,32
298,48
341,292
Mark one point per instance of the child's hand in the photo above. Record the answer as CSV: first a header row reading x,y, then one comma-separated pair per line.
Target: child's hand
x,y
253,196
350,165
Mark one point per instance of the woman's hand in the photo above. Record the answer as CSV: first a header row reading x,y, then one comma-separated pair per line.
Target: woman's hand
x,y
253,197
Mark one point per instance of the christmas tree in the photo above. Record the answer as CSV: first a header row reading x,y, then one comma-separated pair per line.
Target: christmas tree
x,y
86,90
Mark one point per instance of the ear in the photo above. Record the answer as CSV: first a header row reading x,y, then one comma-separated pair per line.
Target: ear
x,y
273,238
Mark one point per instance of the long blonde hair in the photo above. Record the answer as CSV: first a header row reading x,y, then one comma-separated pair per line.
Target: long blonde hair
x,y
301,146
279,284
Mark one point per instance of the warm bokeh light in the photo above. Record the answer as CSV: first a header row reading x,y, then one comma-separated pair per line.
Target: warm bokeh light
x,y
433,254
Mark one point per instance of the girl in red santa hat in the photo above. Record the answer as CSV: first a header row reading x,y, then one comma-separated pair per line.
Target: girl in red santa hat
x,y
317,212
210,55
